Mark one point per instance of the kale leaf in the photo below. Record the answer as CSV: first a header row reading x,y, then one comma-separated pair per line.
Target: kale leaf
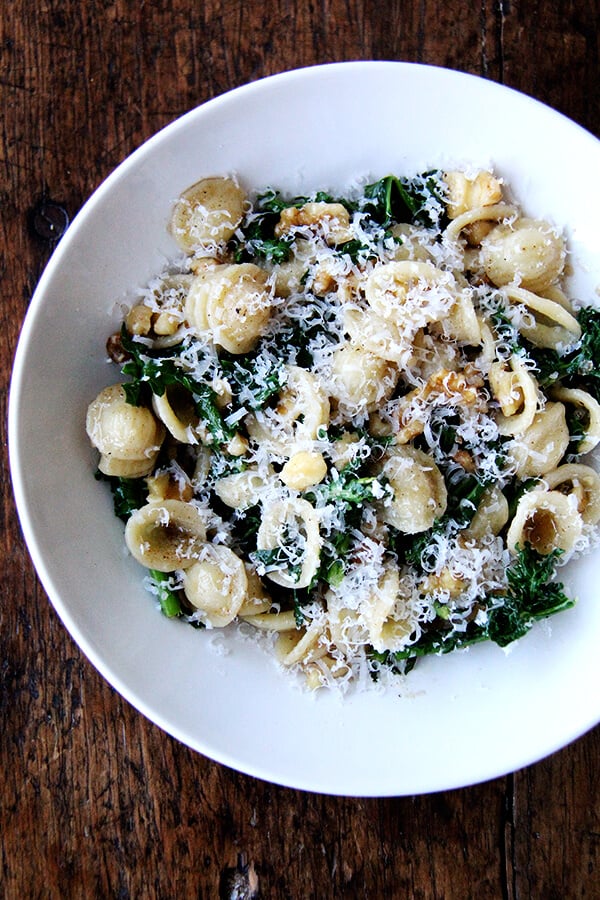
x,y
393,200
128,494
579,365
276,559
154,373
531,595
259,240
347,488
241,373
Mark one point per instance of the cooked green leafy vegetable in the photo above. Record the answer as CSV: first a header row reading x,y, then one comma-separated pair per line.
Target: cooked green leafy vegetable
x,y
242,375
128,494
259,241
155,372
578,365
532,595
170,604
347,488
393,200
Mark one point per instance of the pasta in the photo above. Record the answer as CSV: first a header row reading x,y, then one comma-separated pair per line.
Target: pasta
x,y
359,426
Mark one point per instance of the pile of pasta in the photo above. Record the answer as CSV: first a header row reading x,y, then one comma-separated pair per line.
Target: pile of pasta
x,y
340,423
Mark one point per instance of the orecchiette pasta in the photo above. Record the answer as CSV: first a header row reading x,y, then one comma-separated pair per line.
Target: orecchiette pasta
x,y
491,515
122,431
302,409
165,535
176,411
385,613
359,426
583,402
542,445
581,482
360,380
216,585
547,520
292,527
207,213
555,324
419,493
516,391
241,489
232,303
527,252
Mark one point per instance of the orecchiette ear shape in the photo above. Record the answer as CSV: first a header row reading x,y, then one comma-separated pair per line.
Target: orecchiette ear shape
x,y
551,323
302,410
516,390
385,614
273,621
581,482
175,409
387,290
293,526
257,601
410,245
583,401
379,336
346,626
540,448
526,252
548,520
207,213
491,515
166,535
466,192
295,647
194,309
119,429
217,585
488,345
419,492
473,221
461,323
232,303
127,468
241,489
360,381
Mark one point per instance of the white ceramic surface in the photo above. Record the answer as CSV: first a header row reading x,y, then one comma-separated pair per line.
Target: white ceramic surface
x,y
455,720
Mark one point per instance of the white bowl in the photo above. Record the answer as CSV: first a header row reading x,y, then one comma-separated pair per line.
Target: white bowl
x,y
455,720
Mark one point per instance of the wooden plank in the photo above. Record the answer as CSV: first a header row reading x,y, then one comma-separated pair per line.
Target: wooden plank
x,y
94,800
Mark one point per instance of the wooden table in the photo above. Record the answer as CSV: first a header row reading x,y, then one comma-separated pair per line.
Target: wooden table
x,y
95,801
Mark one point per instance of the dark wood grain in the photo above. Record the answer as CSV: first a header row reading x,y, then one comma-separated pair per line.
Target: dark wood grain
x,y
94,800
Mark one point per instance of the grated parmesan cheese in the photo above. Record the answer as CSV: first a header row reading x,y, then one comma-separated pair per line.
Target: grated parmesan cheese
x,y
380,325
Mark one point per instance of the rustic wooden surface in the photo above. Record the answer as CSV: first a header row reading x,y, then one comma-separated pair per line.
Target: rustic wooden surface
x,y
94,800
